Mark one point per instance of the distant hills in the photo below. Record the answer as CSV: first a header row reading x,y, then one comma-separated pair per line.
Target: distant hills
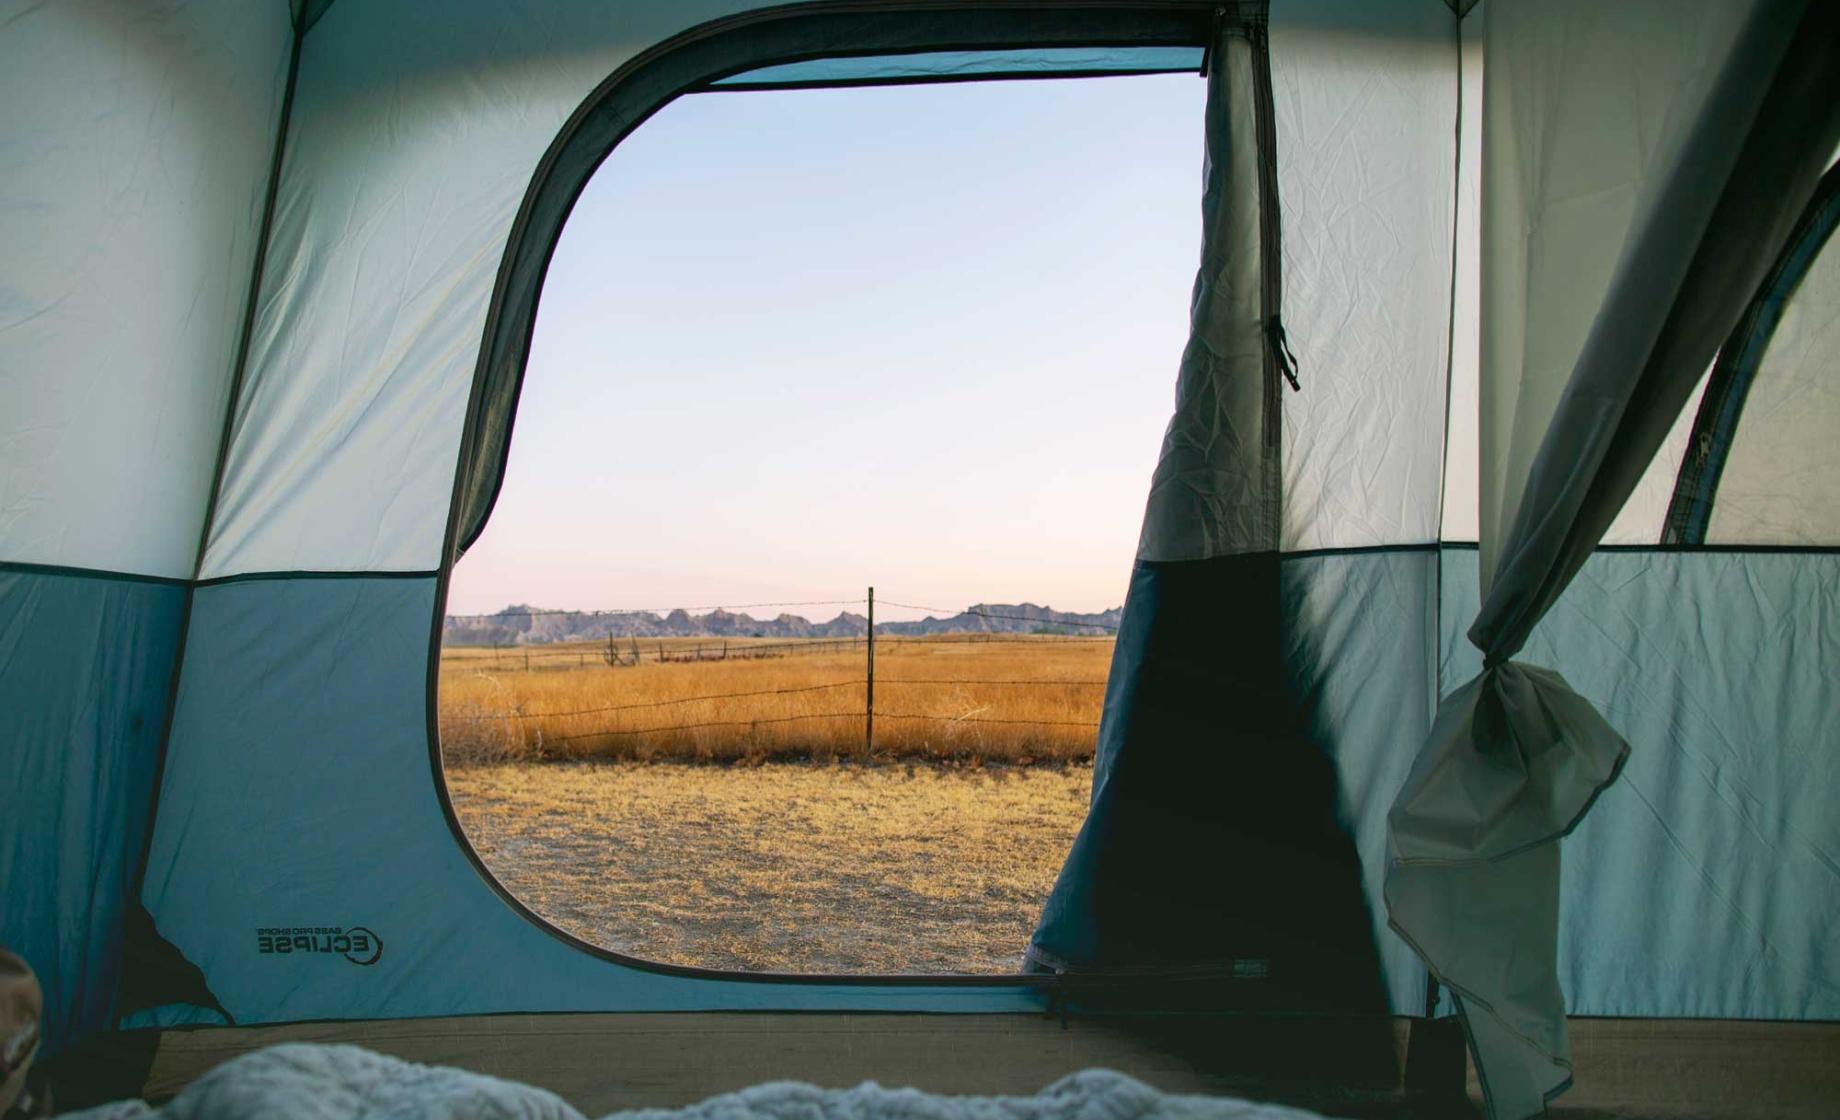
x,y
526,625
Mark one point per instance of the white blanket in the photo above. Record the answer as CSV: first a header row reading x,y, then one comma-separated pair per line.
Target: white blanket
x,y
298,1081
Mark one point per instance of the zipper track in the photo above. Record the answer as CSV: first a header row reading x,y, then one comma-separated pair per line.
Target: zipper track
x,y
1271,282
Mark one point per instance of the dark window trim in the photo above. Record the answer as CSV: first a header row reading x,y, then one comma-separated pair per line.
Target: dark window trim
x,y
729,85
1696,489
66,571
932,80
684,64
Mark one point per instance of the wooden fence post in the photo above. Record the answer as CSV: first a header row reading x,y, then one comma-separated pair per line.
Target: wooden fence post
x,y
869,690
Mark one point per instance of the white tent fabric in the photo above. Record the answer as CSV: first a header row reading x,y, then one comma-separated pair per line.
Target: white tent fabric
x,y
129,208
1671,195
1584,105
1366,152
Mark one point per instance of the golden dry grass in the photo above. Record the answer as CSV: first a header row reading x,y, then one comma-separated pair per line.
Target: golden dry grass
x,y
1011,700
786,867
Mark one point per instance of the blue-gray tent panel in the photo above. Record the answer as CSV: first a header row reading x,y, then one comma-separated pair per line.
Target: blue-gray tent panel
x,y
299,796
85,671
1359,646
1257,718
1706,881
940,65
299,793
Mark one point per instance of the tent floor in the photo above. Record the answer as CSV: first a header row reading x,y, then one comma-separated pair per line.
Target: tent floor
x,y
1349,1067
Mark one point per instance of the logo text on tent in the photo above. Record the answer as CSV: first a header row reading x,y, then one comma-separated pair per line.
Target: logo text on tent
x,y
355,943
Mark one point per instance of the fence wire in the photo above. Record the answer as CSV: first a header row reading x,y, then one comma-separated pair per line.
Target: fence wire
x,y
696,726
706,697
742,648
977,680
990,719
680,700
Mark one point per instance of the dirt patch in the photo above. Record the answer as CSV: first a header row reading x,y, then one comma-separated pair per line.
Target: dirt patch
x,y
786,867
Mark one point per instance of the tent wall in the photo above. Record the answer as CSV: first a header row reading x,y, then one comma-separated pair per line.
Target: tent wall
x,y
134,152
1366,99
299,794
136,141
1360,647
85,669
1703,886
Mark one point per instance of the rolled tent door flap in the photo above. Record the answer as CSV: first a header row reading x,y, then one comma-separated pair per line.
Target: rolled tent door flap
x,y
1209,802
1720,149
1214,491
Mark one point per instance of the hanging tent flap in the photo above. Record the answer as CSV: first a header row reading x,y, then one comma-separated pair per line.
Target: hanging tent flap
x,y
1516,758
1210,800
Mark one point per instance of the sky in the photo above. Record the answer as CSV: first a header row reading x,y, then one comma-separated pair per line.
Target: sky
x,y
796,343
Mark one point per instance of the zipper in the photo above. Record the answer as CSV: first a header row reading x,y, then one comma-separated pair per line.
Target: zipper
x,y
1280,362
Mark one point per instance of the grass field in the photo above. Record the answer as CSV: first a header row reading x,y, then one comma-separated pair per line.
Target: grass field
x,y
951,699
588,790
784,867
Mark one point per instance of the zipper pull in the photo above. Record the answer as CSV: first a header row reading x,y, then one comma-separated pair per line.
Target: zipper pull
x,y
1281,350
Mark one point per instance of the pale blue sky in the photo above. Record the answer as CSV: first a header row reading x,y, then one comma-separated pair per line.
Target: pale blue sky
x,y
795,343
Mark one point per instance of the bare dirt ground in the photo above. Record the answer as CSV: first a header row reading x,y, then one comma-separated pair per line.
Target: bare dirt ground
x,y
783,867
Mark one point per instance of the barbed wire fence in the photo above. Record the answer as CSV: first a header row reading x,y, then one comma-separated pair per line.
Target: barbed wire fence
x,y
625,651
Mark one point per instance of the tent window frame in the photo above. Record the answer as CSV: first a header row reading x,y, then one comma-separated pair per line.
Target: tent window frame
x,y
1721,410
692,62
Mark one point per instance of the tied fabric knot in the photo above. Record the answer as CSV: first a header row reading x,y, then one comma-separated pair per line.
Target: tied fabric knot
x,y
1514,759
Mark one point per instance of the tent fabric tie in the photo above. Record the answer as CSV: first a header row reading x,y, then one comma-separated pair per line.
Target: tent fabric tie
x,y
1281,352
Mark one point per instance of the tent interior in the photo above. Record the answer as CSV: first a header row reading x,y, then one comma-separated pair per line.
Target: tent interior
x,y
1506,446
